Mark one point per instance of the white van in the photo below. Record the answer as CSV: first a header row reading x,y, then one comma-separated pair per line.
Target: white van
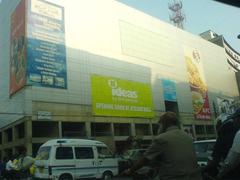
x,y
204,149
70,159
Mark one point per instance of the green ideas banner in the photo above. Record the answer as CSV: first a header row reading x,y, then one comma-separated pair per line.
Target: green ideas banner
x,y
117,97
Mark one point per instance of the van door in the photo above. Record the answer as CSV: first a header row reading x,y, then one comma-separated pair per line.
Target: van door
x,y
63,162
85,162
106,161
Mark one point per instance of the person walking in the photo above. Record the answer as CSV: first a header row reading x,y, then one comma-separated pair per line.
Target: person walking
x,y
172,152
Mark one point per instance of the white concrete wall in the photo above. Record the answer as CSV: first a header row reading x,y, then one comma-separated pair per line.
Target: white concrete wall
x,y
94,45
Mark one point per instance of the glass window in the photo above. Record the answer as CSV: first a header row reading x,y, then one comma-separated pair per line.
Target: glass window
x,y
84,153
103,152
43,153
201,147
64,153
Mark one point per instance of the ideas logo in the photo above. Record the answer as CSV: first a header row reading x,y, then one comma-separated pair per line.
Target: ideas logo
x,y
121,92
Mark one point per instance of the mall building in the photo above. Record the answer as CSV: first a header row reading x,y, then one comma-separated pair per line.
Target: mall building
x,y
102,70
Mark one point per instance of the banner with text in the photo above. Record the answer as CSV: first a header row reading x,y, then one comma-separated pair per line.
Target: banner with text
x,y
18,62
197,83
233,57
169,90
118,97
46,45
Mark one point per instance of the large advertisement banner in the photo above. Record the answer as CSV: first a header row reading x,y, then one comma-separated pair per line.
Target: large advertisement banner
x,y
169,90
46,45
118,97
197,83
18,62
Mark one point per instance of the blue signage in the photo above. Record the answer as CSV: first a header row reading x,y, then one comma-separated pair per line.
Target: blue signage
x,y
169,90
46,53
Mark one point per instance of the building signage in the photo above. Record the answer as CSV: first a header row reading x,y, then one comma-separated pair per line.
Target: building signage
x,y
37,58
169,90
197,84
233,57
46,45
118,97
18,62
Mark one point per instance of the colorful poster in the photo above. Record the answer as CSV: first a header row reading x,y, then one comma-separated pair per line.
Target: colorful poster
x,y
118,97
18,62
169,90
197,84
46,45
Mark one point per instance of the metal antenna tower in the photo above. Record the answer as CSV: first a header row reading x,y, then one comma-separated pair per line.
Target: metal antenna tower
x,y
177,16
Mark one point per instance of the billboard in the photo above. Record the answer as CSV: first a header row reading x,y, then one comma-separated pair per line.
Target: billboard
x,y
18,62
169,90
117,97
197,83
46,45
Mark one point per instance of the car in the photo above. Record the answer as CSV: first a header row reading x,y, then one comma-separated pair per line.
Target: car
x,y
68,159
204,149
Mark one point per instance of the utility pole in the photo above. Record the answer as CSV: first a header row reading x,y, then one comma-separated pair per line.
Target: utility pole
x,y
177,16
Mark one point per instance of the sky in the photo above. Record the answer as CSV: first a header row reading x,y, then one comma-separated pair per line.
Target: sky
x,y
201,15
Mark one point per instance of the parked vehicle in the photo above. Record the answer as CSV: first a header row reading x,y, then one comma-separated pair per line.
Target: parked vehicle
x,y
69,159
204,149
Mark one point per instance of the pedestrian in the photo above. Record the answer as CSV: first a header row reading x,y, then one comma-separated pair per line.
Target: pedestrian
x,y
226,132
172,152
231,166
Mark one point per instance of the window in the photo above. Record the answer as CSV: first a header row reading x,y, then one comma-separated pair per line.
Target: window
x,y
84,153
43,153
104,152
64,153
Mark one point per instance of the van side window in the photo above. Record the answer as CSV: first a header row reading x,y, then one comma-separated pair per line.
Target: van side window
x,y
103,152
64,153
84,153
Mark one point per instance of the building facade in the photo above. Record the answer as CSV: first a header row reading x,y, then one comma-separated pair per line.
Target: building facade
x,y
102,70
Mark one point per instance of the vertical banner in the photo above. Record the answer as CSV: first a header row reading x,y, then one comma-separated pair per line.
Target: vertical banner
x,y
169,90
197,83
18,62
46,45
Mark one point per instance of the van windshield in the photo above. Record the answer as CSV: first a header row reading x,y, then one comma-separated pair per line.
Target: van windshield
x,y
43,153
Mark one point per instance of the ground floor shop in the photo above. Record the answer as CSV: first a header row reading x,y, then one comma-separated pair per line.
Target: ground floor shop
x,y
115,132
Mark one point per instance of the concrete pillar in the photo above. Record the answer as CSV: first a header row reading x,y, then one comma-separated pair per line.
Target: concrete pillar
x,y
113,134
14,134
112,129
133,129
88,129
151,128
28,135
60,129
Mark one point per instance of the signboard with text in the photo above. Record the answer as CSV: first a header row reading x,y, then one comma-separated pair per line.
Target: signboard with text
x,y
18,61
46,45
197,83
118,97
169,90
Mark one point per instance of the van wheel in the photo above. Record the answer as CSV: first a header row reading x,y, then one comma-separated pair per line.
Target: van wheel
x,y
107,176
65,177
